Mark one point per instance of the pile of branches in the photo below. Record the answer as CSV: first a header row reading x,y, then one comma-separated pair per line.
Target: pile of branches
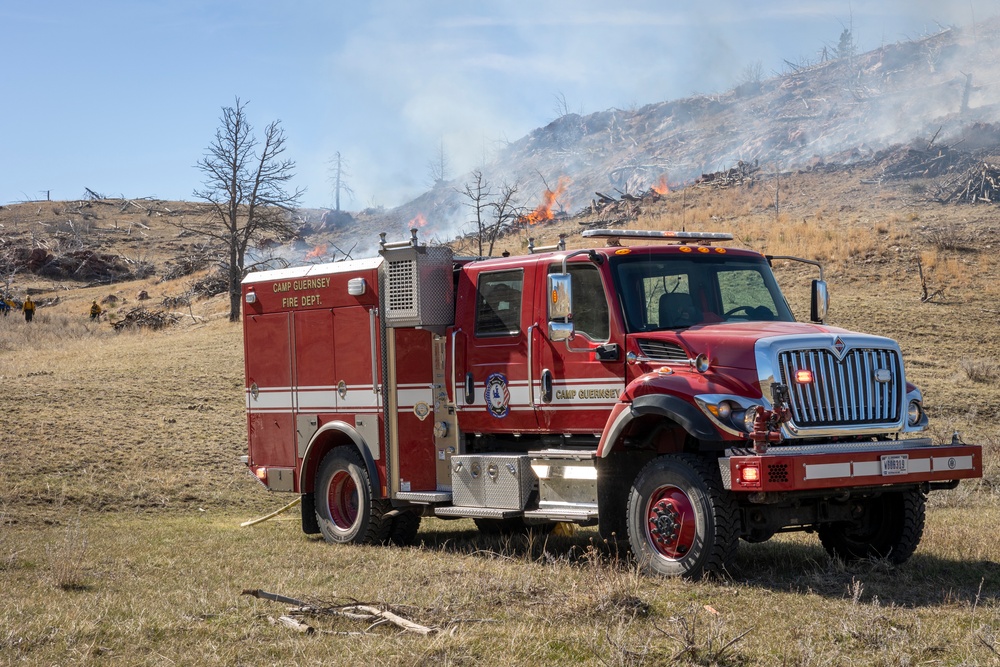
x,y
212,284
744,173
979,184
76,265
627,207
929,162
139,318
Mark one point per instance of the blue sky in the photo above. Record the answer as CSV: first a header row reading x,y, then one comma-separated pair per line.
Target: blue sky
x,y
123,97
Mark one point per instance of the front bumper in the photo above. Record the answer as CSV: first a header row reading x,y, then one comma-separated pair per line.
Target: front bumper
x,y
844,465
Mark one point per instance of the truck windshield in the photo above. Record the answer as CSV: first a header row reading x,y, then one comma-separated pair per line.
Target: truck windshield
x,y
661,292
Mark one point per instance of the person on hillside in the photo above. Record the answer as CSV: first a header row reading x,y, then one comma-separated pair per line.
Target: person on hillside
x,y
4,307
28,308
95,311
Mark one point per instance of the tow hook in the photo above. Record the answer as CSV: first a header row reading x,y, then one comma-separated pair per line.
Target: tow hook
x,y
767,423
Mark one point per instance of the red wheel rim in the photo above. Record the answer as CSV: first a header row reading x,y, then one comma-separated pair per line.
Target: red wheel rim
x,y
670,522
342,499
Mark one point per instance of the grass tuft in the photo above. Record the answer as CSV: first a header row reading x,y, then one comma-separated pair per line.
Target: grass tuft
x,y
67,559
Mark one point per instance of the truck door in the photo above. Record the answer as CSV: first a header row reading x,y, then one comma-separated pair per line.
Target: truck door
x,y
577,382
492,379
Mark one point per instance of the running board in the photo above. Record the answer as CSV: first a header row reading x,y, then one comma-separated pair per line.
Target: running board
x,y
476,512
567,515
425,497
564,454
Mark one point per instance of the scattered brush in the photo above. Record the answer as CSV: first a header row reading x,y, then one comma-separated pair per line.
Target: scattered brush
x,y
141,318
66,559
980,370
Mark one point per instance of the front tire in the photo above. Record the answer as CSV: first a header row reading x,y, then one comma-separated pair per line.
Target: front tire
x,y
346,509
681,522
891,528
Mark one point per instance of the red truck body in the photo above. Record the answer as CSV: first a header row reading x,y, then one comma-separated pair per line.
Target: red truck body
x,y
524,391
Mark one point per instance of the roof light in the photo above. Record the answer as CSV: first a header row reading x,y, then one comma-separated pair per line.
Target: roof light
x,y
658,235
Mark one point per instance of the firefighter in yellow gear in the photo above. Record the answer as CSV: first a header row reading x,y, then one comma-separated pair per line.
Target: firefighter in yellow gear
x,y
95,311
28,308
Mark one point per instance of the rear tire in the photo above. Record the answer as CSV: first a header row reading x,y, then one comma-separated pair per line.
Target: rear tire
x,y
346,509
404,528
681,522
891,528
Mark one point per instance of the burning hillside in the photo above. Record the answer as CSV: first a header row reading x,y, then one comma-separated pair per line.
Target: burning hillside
x,y
842,110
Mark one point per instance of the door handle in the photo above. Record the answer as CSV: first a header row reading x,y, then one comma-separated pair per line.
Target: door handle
x,y
546,386
470,389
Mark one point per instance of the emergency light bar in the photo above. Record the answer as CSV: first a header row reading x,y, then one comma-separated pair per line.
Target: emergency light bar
x,y
656,235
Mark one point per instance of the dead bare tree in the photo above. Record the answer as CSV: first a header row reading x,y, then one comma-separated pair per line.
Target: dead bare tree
x,y
245,186
478,193
493,212
438,168
506,212
338,180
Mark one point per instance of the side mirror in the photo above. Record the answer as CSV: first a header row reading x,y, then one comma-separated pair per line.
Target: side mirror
x,y
560,307
820,302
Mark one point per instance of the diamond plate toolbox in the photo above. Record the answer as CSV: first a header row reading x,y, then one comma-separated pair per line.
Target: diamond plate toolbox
x,y
467,480
507,481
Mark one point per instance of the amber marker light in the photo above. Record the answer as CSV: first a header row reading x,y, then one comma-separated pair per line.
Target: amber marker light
x,y
804,376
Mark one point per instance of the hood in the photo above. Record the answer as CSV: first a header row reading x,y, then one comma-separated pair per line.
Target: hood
x,y
731,344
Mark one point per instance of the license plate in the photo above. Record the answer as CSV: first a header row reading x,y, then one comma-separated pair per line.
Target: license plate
x,y
894,464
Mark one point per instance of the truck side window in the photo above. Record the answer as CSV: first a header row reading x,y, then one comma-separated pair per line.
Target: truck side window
x,y
498,303
746,296
591,315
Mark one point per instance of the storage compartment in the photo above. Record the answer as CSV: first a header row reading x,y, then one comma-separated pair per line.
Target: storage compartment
x,y
502,481
467,480
507,481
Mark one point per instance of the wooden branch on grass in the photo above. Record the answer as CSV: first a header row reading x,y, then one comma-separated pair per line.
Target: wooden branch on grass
x,y
292,623
352,610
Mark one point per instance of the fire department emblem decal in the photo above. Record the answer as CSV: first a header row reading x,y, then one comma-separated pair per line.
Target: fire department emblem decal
x,y
497,395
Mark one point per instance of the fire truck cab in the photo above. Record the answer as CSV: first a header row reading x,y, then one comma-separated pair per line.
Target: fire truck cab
x,y
663,392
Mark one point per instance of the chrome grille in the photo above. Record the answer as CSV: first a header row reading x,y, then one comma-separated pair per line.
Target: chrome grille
x,y
843,391
662,350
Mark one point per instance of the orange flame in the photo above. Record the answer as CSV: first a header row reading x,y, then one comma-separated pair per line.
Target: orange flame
x,y
661,187
418,221
316,252
549,197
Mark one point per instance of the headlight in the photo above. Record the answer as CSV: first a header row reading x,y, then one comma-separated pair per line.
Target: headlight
x,y
913,413
725,409
749,417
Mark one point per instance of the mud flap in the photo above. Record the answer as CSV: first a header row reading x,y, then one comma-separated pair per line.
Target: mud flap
x,y
309,524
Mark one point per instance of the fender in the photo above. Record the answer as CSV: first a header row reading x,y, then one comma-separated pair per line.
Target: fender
x,y
664,405
344,429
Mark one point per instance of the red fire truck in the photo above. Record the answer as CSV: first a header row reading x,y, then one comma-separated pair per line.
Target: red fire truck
x,y
661,391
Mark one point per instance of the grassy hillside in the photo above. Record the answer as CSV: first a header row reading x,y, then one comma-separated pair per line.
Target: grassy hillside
x,y
121,494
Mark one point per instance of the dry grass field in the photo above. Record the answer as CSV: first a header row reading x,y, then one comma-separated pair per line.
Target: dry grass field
x,y
121,494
